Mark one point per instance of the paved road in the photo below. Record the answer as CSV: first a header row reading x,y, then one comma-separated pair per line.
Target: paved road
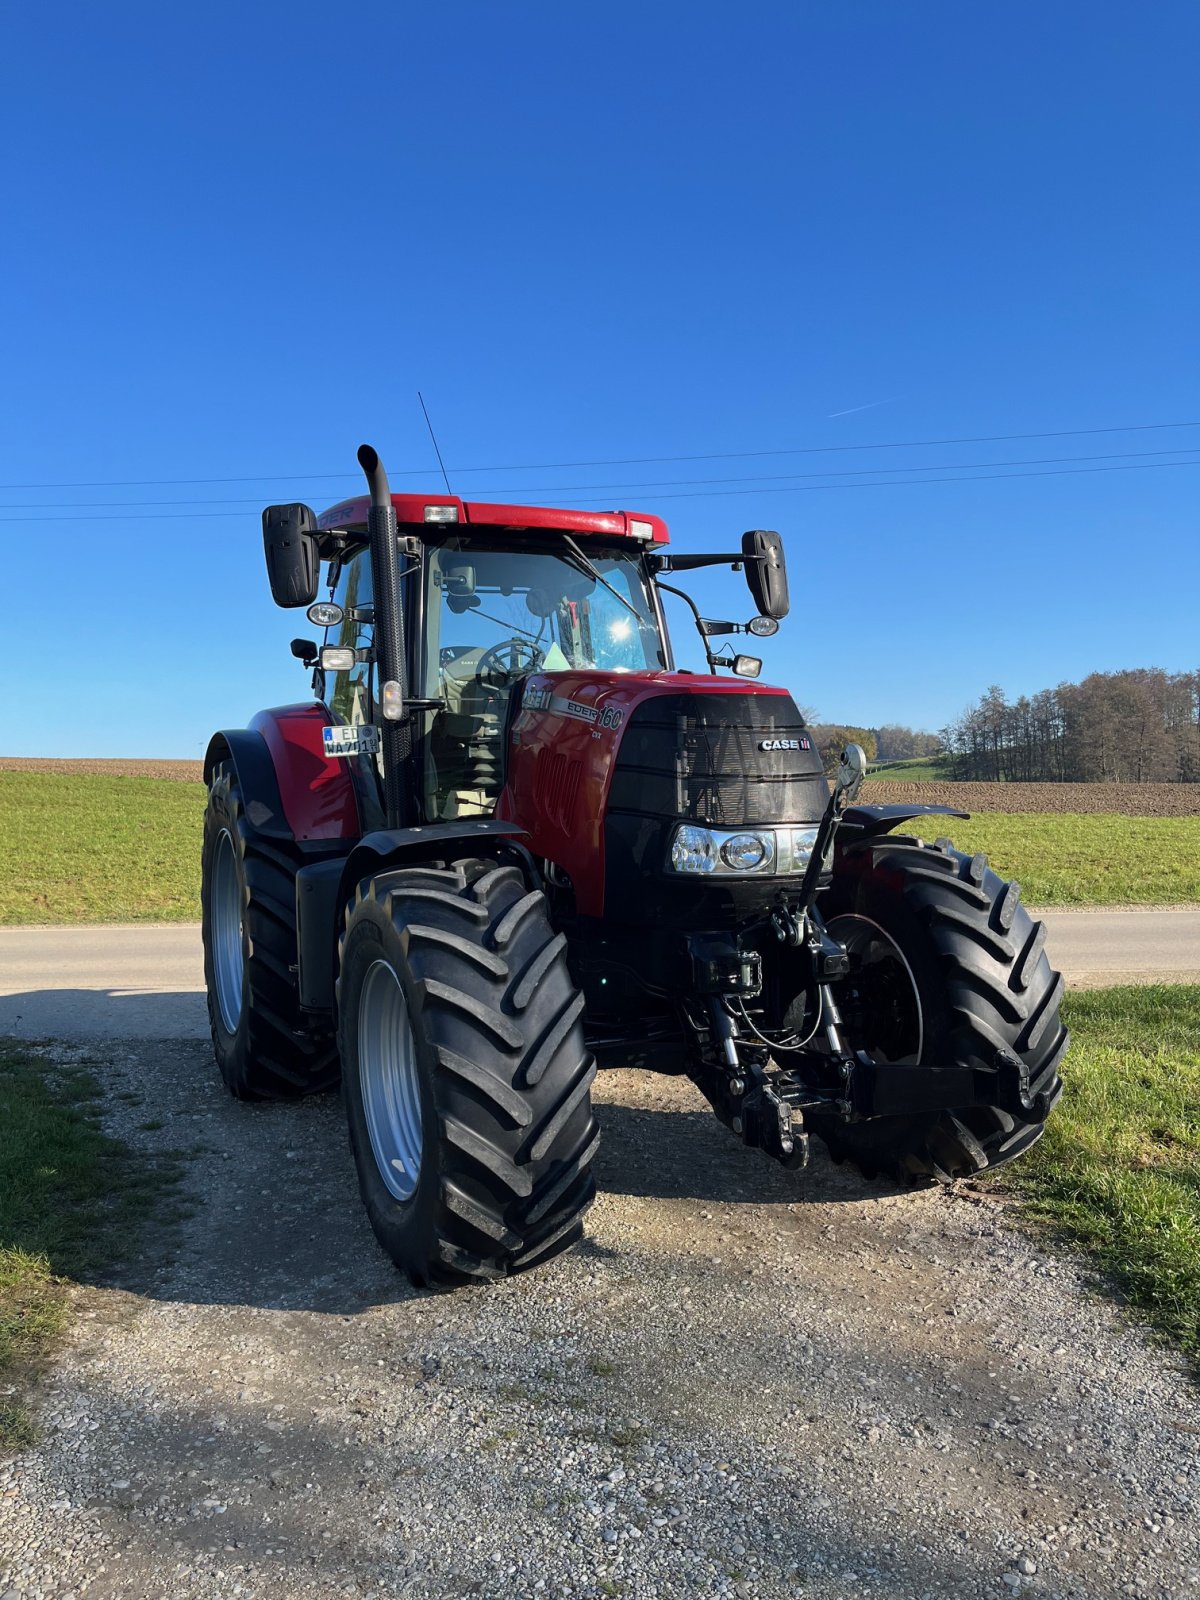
x,y
147,982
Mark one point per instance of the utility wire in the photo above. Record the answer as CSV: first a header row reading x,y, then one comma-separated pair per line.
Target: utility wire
x,y
697,494
667,483
626,461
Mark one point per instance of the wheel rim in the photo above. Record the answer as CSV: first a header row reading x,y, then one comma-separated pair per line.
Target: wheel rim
x,y
879,1001
228,959
387,1075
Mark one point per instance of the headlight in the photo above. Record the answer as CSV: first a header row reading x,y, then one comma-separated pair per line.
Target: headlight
x,y
745,851
796,846
764,852
693,850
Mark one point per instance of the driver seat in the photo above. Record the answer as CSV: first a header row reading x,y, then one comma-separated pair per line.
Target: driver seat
x,y
466,742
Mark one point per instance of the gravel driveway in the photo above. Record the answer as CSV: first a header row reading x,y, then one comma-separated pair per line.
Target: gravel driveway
x,y
746,1383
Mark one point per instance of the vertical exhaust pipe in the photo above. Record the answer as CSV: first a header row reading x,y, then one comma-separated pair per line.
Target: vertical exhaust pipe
x,y
390,660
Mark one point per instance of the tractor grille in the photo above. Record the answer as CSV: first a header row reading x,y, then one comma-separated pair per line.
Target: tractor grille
x,y
699,758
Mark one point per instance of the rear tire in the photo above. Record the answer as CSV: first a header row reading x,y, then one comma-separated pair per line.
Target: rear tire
x,y
465,1074
975,958
264,1047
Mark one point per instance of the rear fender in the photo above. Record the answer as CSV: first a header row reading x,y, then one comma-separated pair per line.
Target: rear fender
x,y
291,788
251,759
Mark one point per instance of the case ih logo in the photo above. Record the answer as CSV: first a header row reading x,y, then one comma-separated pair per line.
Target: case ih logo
x,y
785,744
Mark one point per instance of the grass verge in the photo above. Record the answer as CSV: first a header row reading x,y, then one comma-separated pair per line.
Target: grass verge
x,y
88,848
1066,859
72,1202
1118,1171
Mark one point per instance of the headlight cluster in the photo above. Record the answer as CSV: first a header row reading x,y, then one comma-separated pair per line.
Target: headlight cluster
x,y
764,852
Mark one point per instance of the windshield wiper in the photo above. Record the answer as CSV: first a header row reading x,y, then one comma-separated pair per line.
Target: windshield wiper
x,y
586,565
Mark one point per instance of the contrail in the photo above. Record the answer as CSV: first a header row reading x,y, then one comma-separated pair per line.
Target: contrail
x,y
870,406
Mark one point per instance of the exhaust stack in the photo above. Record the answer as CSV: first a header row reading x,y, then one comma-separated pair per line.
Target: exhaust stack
x,y
396,729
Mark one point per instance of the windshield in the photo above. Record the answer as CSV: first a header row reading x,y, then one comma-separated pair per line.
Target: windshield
x,y
515,611
491,617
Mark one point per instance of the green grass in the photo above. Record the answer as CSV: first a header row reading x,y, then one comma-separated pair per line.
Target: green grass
x,y
922,769
1118,1171
1064,859
84,848
87,848
72,1202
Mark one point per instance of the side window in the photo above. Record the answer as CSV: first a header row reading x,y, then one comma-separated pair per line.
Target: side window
x,y
350,698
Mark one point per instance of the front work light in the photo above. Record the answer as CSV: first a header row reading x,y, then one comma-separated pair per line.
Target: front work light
x,y
441,513
338,658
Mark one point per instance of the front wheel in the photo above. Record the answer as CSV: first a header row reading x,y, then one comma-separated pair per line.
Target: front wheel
x,y
946,966
466,1078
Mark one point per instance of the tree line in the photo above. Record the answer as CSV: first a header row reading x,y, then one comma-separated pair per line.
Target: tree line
x,y
889,743
1141,726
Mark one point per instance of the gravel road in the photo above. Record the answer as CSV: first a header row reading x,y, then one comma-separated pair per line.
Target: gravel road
x,y
745,1383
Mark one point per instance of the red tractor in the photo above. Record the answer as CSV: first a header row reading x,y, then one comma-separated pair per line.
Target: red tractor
x,y
508,841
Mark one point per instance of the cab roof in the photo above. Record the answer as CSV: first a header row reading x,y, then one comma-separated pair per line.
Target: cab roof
x,y
416,509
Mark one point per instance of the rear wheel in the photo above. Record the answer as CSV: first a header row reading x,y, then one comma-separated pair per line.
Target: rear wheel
x,y
465,1075
263,1046
947,966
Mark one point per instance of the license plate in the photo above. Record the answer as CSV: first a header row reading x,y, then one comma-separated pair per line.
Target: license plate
x,y
362,740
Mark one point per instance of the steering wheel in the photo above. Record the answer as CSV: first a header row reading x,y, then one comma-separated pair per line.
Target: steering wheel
x,y
510,659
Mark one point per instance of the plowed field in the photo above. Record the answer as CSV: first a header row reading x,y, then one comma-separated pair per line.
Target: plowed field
x,y
1122,799
175,771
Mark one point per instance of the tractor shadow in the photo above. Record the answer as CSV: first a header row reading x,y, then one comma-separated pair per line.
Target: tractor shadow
x,y
657,1153
269,1215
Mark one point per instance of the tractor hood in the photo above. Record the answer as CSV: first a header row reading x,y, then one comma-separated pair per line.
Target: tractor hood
x,y
603,767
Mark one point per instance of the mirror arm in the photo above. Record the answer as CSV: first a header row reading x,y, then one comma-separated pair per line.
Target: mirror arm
x,y
695,610
690,563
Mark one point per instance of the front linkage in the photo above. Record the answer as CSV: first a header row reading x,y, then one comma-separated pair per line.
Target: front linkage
x,y
735,1063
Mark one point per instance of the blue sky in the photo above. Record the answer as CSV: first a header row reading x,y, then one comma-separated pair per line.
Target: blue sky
x,y
238,239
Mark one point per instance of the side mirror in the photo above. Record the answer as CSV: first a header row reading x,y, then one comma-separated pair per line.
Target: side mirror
x,y
306,650
293,560
766,572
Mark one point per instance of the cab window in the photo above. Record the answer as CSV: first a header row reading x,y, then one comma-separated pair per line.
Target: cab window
x,y
348,694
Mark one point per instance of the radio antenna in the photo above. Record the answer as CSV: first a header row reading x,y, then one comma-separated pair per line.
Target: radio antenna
x,y
433,436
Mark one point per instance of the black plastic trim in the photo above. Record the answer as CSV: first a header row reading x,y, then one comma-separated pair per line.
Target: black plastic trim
x,y
248,751
318,887
865,822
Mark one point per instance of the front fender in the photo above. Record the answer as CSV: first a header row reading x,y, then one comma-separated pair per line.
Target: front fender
x,y
324,888
867,822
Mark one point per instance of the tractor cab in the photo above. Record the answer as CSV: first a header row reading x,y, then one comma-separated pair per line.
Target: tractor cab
x,y
488,606
488,595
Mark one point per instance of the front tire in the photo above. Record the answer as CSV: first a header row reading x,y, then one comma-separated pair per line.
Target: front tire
x,y
950,967
465,1074
263,1046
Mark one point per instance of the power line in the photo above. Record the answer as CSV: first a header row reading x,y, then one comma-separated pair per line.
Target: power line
x,y
698,494
902,483
667,483
626,461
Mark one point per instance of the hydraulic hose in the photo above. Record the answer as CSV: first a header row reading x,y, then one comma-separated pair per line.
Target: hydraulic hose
x,y
390,663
